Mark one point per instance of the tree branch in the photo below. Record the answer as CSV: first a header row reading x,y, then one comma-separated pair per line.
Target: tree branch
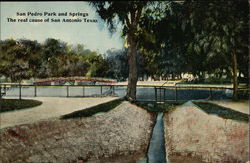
x,y
127,21
138,15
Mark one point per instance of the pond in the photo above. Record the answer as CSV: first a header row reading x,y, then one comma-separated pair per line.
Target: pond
x,y
143,93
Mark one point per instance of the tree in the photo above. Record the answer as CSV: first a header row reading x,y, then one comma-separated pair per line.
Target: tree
x,y
221,29
211,35
129,13
55,56
19,58
117,61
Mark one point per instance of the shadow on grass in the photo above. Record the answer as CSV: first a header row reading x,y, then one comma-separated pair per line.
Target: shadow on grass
x,y
105,107
16,104
158,107
221,111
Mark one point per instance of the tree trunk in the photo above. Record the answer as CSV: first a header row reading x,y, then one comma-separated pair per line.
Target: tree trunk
x,y
133,76
234,75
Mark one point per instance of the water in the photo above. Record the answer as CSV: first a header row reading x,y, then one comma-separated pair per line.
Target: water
x,y
156,151
143,94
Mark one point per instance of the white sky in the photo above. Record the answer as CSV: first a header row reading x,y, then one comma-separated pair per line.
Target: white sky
x,y
94,36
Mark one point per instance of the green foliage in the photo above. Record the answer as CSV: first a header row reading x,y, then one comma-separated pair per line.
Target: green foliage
x,y
223,112
219,30
105,107
118,67
198,37
209,80
14,104
23,59
130,14
159,107
243,94
18,58
113,11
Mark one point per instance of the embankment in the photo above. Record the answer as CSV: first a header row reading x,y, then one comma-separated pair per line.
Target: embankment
x,y
193,136
123,131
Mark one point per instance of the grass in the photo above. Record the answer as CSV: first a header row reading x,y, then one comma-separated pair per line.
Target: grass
x,y
221,111
16,104
105,107
158,107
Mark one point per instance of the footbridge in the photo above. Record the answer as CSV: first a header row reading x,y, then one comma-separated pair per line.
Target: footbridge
x,y
74,81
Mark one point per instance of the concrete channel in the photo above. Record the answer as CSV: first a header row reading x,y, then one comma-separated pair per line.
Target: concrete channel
x,y
156,151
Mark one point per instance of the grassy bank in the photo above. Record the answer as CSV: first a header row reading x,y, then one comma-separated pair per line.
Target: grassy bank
x,y
16,104
221,111
105,107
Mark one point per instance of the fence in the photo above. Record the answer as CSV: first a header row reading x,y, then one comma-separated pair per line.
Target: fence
x,y
54,91
184,93
144,92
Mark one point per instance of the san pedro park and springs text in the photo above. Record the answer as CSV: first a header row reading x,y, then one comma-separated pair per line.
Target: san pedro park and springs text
x,y
53,17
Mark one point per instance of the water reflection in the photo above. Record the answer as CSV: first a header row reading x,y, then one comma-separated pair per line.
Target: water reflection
x,y
143,94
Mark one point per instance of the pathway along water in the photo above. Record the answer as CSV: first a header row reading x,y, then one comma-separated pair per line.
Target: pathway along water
x,y
156,151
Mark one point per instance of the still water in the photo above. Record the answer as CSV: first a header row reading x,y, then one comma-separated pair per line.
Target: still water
x,y
143,93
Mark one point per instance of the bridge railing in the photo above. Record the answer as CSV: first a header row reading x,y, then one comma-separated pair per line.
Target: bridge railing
x,y
31,90
75,79
144,92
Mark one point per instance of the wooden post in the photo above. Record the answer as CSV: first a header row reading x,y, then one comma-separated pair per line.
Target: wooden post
x,y
101,90
175,93
67,91
20,91
5,89
83,91
113,90
164,94
0,91
210,93
35,90
155,94
160,95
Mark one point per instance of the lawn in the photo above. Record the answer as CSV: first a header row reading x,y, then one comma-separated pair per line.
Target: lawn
x,y
16,104
221,111
105,107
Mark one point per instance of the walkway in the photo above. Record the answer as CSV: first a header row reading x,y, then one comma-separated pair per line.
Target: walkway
x,y
51,107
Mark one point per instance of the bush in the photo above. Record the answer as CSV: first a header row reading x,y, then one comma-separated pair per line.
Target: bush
x,y
243,94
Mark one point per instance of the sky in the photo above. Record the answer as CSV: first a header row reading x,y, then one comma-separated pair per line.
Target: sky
x,y
94,36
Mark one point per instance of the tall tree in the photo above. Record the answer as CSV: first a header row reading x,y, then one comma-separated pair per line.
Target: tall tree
x,y
213,35
129,13
55,56
220,28
19,58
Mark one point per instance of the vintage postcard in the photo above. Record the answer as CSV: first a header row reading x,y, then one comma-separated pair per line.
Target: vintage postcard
x,y
124,82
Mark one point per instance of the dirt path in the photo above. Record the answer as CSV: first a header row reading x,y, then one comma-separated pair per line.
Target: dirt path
x,y
51,107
